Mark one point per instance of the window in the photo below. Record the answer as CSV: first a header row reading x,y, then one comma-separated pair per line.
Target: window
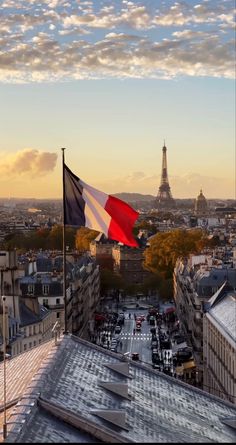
x,y
25,347
45,301
58,314
45,289
30,289
58,301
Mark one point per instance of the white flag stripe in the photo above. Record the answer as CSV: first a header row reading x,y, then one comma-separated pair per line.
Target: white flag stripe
x,y
96,216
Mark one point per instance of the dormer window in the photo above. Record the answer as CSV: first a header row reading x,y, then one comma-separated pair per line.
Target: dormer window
x,y
45,289
30,289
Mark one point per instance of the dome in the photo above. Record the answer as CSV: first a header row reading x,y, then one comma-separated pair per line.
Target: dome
x,y
201,203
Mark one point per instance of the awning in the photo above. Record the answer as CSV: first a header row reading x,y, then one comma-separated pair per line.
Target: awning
x,y
169,310
189,365
179,370
99,317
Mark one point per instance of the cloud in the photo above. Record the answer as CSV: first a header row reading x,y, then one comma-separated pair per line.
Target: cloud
x,y
41,41
28,162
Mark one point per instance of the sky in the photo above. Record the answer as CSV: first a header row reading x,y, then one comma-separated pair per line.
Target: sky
x,y
111,81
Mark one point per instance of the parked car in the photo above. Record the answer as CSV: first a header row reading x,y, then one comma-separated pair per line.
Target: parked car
x,y
184,355
155,356
152,320
135,356
117,329
156,365
179,338
165,344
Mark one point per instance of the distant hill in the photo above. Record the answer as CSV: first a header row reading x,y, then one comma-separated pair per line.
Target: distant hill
x,y
134,197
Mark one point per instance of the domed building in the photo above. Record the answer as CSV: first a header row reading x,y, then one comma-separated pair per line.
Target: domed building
x,y
201,204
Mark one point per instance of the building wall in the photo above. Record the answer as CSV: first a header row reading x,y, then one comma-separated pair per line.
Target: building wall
x,y
34,334
219,355
55,304
190,296
29,336
86,296
100,249
128,263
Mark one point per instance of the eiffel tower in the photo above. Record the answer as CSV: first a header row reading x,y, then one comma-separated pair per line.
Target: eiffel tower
x,y
164,199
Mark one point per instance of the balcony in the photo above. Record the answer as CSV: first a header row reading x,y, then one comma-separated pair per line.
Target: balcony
x,y
54,306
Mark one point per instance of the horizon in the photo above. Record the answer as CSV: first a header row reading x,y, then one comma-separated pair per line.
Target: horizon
x,y
12,198
111,81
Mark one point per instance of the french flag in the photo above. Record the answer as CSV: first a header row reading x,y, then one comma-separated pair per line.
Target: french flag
x,y
86,206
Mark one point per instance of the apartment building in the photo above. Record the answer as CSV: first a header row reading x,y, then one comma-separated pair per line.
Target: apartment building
x,y
196,279
219,344
82,287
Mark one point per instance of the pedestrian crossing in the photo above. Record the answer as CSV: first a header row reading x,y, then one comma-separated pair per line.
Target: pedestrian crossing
x,y
136,336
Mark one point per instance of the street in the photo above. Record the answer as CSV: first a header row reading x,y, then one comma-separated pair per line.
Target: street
x,y
140,342
156,341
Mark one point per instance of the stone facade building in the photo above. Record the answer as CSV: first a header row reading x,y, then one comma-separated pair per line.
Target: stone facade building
x,y
196,279
219,344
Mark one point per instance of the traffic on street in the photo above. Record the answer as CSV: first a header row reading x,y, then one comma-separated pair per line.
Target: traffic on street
x,y
148,334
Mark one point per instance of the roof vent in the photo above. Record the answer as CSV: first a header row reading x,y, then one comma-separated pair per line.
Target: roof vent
x,y
121,368
117,388
116,417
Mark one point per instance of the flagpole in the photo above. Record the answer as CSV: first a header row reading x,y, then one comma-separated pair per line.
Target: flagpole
x,y
4,370
64,245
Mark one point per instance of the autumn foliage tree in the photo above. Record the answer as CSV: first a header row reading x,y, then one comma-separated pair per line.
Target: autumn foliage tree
x,y
43,238
83,238
166,247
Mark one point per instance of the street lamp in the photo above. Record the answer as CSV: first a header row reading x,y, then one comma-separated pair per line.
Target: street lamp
x,y
4,368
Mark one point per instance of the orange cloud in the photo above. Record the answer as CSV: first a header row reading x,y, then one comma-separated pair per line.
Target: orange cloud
x,y
28,161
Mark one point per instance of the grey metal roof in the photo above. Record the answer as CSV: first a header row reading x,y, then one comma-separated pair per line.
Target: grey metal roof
x,y
28,317
160,408
43,428
224,312
216,277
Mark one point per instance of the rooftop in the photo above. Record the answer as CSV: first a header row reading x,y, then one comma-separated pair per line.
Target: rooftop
x,y
223,309
142,405
20,371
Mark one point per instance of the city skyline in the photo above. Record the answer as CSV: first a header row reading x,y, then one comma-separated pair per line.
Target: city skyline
x,y
110,81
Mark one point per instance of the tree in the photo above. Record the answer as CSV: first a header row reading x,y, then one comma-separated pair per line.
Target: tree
x,y
55,238
152,283
43,238
110,281
83,238
166,247
166,289
144,225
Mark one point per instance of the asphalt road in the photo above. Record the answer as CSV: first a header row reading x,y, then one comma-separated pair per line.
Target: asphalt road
x,y
139,342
